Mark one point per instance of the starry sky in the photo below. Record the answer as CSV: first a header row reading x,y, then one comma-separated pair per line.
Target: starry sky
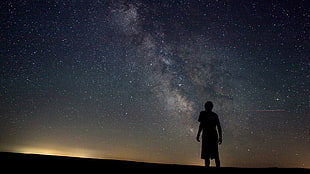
x,y
126,80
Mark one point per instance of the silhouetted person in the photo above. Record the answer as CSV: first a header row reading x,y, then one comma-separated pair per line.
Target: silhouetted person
x,y
211,135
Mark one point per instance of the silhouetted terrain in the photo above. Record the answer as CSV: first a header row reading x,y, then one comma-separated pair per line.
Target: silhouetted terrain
x,y
47,163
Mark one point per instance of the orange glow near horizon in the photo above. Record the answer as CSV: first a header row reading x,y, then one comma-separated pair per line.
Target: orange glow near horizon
x,y
72,152
86,153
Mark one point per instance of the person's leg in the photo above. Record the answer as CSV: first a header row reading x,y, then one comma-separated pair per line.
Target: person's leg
x,y
207,162
217,162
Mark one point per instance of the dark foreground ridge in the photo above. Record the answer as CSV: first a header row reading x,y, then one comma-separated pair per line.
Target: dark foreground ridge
x,y
48,163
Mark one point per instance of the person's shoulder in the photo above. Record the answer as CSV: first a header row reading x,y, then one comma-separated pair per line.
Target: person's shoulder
x,y
214,114
201,116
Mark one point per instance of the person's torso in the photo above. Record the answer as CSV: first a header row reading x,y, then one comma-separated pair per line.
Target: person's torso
x,y
209,120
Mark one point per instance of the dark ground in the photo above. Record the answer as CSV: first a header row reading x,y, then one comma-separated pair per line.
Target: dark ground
x,y
46,163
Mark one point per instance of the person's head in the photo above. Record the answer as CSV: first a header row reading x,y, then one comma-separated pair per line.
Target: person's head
x,y
208,106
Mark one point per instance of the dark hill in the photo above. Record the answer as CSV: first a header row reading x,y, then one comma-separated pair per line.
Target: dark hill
x,y
48,163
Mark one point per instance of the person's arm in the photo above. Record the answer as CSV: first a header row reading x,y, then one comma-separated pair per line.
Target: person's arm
x,y
199,132
219,129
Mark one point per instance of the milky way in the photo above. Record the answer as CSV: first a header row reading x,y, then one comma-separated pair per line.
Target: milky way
x,y
127,79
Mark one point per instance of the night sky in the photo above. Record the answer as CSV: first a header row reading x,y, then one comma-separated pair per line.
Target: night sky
x,y
126,80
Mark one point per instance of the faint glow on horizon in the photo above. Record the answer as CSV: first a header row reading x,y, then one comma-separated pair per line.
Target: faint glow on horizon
x,y
124,154
70,152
